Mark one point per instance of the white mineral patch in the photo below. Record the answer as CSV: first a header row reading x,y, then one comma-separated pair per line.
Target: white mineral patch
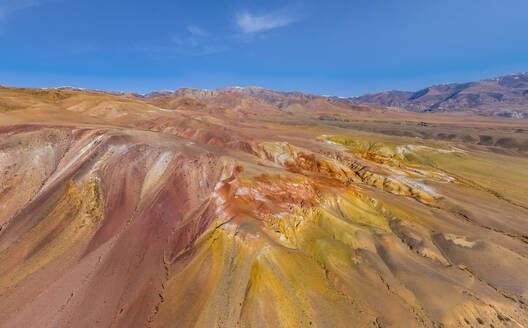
x,y
156,171
259,197
77,157
459,240
242,191
282,158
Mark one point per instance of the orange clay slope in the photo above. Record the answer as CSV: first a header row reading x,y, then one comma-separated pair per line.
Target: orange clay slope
x,y
171,212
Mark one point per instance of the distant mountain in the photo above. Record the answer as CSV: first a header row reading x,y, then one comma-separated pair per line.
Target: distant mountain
x,y
247,100
505,96
269,96
256,99
115,93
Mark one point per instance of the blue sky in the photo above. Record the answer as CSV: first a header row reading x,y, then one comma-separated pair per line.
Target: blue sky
x,y
342,48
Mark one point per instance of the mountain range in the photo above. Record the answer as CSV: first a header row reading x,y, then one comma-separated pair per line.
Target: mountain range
x,y
505,96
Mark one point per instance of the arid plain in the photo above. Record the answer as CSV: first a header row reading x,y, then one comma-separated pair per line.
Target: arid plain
x,y
254,208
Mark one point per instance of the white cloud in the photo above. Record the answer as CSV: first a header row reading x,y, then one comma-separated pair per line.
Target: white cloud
x,y
195,41
250,23
197,31
8,7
